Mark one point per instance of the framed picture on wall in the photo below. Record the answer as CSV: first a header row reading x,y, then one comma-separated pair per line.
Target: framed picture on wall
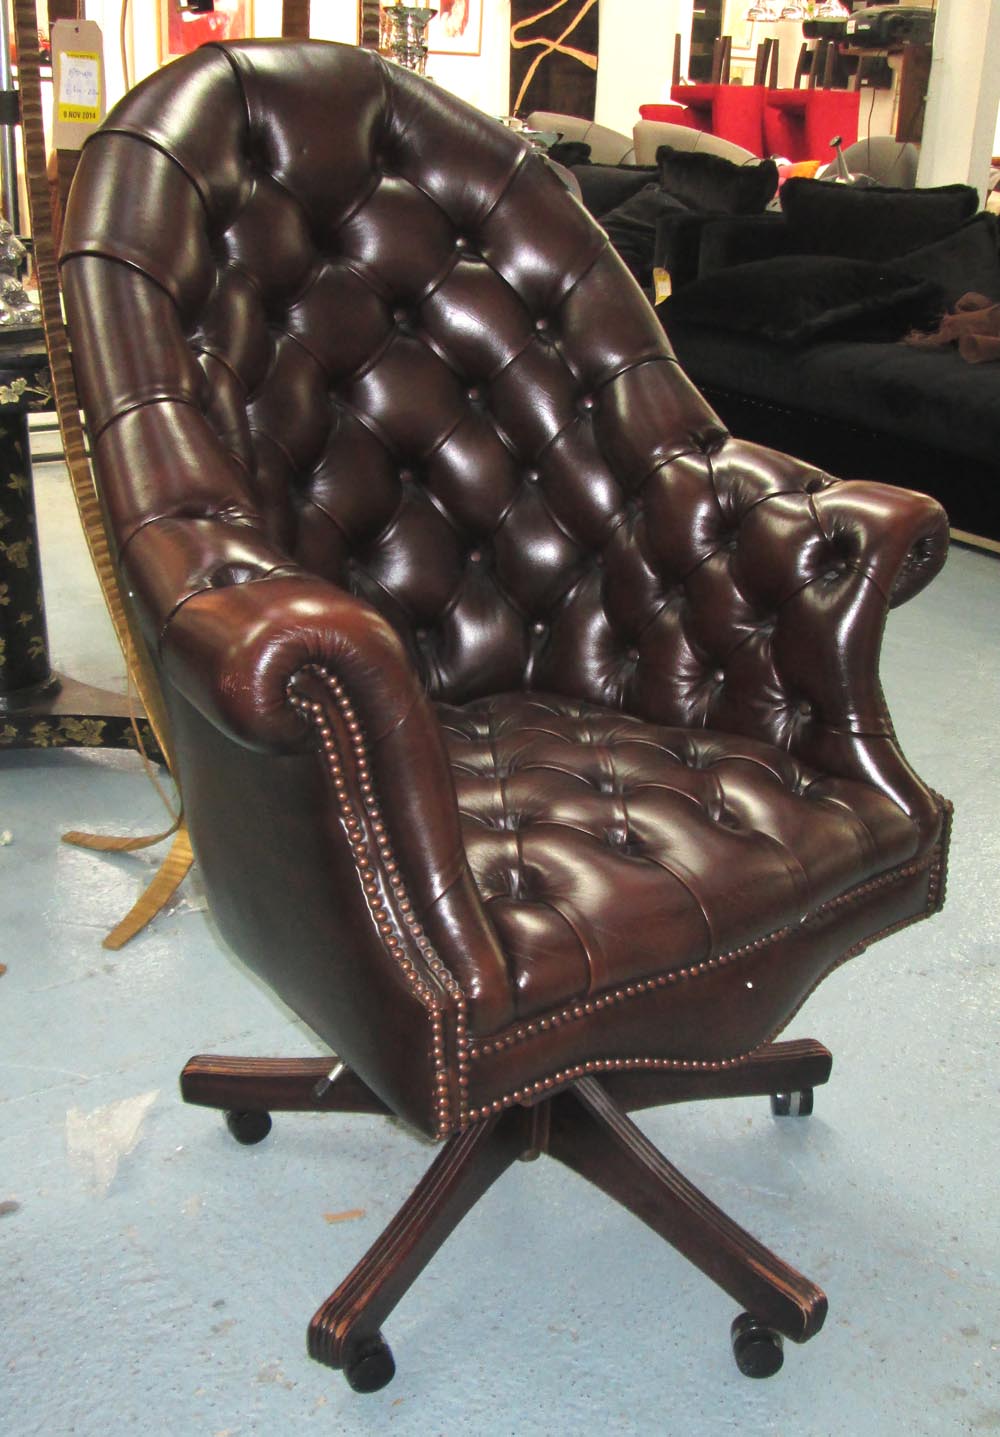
x,y
457,28
182,31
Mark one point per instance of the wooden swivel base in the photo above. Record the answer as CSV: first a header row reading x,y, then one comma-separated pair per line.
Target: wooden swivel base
x,y
586,1126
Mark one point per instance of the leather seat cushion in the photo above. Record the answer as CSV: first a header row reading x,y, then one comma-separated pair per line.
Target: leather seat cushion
x,y
608,849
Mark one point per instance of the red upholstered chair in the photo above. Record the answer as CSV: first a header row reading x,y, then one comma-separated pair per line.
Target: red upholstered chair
x,y
799,124
679,114
733,112
528,725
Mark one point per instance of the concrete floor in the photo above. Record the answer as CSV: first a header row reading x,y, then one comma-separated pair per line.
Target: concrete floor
x,y
158,1278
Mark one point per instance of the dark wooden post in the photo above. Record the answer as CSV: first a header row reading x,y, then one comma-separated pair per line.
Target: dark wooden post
x,y
25,671
369,23
295,19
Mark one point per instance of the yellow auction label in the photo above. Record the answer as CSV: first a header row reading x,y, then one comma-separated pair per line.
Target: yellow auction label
x,y
79,97
662,286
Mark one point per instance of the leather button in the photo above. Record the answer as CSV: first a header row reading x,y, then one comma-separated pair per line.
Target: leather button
x,y
805,708
461,242
633,656
539,627
475,556
406,476
719,676
587,402
472,394
531,476
400,315
541,324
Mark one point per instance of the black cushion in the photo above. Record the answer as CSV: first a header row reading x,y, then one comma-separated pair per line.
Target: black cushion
x,y
631,227
678,244
739,239
709,182
966,260
872,224
569,153
686,244
796,299
602,187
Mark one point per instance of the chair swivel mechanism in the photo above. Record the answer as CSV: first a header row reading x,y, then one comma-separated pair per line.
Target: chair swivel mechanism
x,y
528,725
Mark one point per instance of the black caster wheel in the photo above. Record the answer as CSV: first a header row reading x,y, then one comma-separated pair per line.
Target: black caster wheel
x,y
794,1105
758,1349
249,1128
370,1365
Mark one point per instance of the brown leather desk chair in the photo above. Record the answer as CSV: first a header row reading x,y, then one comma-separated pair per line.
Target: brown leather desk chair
x,y
529,727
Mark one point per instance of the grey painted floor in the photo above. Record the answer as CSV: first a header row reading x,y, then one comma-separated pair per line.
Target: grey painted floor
x,y
159,1278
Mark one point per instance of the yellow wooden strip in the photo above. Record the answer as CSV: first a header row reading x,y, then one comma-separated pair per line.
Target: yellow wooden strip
x,y
170,875
64,387
979,541
114,843
67,404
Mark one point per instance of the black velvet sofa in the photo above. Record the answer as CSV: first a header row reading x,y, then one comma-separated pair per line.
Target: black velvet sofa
x,y
641,205
790,321
791,325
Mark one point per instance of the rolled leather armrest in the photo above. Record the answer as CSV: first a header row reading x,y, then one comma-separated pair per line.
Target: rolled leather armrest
x,y
816,564
901,536
234,651
825,559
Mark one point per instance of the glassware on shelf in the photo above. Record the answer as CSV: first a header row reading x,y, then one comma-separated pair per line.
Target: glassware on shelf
x,y
16,307
767,11
406,35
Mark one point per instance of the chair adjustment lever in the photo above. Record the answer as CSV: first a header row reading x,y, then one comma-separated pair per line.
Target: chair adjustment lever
x,y
327,1081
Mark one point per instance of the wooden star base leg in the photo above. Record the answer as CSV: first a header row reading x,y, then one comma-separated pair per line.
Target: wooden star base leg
x,y
592,1135
345,1331
797,1066
587,1130
275,1085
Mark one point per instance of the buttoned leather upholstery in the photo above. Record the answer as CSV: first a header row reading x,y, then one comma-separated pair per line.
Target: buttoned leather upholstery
x,y
528,724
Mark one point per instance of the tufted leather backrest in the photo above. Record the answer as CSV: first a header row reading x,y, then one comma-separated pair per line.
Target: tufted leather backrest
x,y
330,321
348,323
